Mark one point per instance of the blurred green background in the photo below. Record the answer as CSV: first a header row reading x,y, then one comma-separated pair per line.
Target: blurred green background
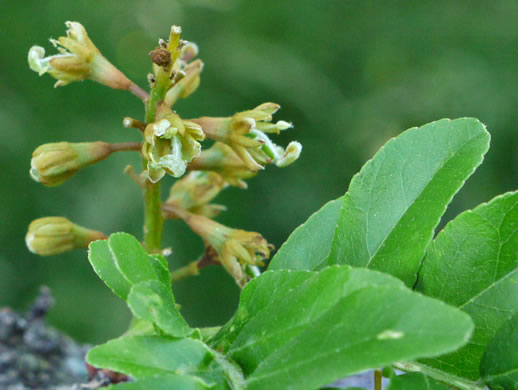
x,y
349,74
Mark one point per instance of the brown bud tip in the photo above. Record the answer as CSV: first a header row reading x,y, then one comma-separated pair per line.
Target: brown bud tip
x,y
161,57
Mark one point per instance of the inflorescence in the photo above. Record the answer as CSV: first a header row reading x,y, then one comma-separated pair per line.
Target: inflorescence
x,y
171,145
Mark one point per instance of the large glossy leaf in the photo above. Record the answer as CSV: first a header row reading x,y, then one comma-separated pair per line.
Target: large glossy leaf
x,y
154,302
287,292
158,356
499,367
394,204
473,264
309,245
362,331
318,295
311,328
415,381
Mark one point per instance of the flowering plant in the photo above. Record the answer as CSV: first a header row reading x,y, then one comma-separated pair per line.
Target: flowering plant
x,y
364,284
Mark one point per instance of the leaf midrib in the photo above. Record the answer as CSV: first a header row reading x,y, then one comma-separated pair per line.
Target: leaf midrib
x,y
423,189
489,287
324,354
489,377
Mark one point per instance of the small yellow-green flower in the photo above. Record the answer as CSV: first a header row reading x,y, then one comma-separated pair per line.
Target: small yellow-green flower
x,y
54,235
194,191
236,249
54,163
222,159
78,59
245,133
170,144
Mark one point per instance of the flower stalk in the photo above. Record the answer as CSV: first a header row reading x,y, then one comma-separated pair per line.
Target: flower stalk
x,y
186,271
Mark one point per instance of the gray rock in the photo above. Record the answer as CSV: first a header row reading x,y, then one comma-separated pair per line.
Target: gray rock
x,y
35,356
41,339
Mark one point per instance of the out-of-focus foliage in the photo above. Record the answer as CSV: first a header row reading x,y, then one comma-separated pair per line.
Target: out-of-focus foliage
x,y
349,74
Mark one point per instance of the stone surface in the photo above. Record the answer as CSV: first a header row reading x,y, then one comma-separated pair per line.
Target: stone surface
x,y
35,356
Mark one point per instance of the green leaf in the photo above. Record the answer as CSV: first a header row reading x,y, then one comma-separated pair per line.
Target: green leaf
x,y
473,264
147,356
153,301
300,329
157,356
169,382
499,367
262,298
121,261
161,267
104,266
415,381
309,245
131,259
394,204
301,307
372,327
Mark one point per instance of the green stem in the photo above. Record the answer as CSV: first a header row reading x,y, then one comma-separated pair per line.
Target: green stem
x,y
156,98
377,380
153,220
190,269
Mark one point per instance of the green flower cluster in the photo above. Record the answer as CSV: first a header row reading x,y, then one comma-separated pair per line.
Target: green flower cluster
x,y
171,145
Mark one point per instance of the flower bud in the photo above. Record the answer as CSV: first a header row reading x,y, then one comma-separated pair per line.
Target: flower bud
x,y
187,85
189,51
129,122
235,248
54,235
245,133
53,164
161,57
194,192
170,144
78,60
